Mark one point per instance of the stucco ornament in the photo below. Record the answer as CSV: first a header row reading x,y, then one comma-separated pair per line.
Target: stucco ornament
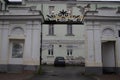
x,y
83,10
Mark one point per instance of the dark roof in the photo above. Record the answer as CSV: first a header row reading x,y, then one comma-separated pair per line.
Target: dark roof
x,y
13,3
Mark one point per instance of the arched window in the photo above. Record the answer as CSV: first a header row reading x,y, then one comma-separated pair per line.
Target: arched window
x,y
17,31
108,32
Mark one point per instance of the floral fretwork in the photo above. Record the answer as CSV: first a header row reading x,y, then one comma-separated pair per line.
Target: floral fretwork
x,y
63,16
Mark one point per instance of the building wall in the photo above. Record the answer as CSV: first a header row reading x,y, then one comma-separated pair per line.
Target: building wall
x,y
60,34
85,42
60,38
92,47
26,33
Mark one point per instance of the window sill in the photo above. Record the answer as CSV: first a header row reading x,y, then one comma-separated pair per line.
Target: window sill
x,y
50,56
69,56
69,35
51,35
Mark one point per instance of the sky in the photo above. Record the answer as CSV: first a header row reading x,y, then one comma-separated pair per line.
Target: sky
x,y
79,0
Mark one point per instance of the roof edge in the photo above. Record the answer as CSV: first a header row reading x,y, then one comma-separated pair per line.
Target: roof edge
x,y
13,3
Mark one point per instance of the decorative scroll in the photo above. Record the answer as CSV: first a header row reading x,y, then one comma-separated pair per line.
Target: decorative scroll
x,y
63,17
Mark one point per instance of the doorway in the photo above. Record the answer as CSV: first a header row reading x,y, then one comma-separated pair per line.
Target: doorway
x,y
108,56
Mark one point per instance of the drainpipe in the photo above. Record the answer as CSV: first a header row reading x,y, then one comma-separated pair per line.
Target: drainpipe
x,y
41,43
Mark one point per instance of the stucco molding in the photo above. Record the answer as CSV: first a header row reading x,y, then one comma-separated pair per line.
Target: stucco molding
x,y
77,1
20,17
63,41
106,8
93,25
102,18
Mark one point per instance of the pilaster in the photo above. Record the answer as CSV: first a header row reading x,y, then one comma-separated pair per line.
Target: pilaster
x,y
93,58
118,50
28,44
4,43
36,42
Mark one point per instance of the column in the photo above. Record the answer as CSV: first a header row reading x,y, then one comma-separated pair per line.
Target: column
x,y
97,46
32,45
118,49
93,44
36,42
4,47
97,50
118,55
90,47
1,25
28,44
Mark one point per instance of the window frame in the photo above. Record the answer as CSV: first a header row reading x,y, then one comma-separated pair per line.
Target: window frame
x,y
51,51
69,52
16,50
51,30
69,30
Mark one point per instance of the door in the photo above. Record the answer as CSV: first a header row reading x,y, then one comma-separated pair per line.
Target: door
x,y
108,56
16,55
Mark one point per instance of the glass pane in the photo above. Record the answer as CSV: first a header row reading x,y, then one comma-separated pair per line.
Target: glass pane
x,y
69,29
51,29
17,50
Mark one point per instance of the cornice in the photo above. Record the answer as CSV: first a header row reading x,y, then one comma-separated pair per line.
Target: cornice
x,y
106,8
63,41
21,17
102,18
13,3
76,2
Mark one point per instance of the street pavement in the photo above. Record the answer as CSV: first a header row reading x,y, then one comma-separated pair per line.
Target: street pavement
x,y
58,73
108,77
62,73
16,76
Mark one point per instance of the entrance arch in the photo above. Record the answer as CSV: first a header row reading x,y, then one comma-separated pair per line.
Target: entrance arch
x,y
108,56
108,50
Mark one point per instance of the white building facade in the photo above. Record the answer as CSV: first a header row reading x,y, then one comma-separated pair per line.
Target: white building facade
x,y
19,28
95,43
